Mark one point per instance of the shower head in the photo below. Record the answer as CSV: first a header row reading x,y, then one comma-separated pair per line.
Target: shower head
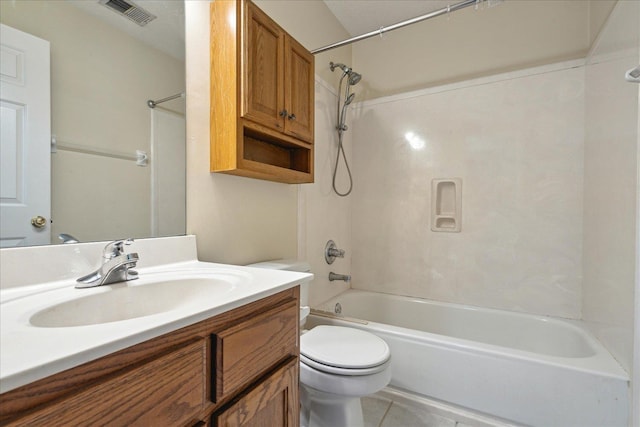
x,y
354,77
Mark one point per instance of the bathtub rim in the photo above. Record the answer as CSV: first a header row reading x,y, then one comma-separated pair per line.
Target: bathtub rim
x,y
601,363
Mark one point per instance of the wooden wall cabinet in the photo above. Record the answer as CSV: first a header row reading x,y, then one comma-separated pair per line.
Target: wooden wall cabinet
x,y
240,368
262,96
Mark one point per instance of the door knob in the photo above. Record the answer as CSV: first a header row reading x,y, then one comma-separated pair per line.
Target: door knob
x,y
39,221
291,117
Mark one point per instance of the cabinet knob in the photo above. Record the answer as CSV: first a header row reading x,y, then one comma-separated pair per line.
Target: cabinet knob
x,y
291,117
284,113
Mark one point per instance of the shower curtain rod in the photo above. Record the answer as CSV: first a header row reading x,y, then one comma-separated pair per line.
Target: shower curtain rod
x,y
382,30
152,104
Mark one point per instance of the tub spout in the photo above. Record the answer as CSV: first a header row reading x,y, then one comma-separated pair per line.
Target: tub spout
x,y
333,276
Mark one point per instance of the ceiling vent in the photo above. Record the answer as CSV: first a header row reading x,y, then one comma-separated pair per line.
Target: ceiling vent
x,y
129,10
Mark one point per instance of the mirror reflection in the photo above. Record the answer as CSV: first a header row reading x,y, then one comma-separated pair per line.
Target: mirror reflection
x,y
117,165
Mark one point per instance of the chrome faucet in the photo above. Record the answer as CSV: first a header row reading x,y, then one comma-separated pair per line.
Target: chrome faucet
x,y
333,276
116,266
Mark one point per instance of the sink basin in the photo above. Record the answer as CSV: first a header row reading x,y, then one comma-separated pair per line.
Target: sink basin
x,y
130,300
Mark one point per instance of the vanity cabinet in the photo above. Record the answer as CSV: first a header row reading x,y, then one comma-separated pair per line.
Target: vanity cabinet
x,y
262,96
239,368
142,395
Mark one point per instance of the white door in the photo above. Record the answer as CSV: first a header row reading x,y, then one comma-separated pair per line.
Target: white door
x,y
25,143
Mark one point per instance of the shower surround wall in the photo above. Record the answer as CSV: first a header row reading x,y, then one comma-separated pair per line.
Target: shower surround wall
x,y
517,142
611,185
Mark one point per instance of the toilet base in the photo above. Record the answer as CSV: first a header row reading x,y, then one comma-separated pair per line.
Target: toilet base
x,y
320,409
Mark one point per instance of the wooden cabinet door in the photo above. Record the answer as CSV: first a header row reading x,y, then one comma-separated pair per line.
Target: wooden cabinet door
x,y
262,70
167,391
299,90
273,402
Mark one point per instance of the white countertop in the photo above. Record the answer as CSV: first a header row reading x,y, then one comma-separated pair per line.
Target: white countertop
x,y
29,353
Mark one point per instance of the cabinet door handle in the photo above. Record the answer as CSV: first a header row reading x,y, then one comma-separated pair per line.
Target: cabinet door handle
x,y
283,113
291,117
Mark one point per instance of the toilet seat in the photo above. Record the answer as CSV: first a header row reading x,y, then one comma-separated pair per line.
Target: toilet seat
x,y
344,351
342,371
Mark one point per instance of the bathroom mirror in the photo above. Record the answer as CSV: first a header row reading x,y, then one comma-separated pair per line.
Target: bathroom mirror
x,y
117,165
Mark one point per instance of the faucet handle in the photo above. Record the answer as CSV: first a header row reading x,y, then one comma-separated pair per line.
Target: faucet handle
x,y
115,248
331,252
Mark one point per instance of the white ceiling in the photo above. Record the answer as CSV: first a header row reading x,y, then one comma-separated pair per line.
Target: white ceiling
x,y
359,17
166,33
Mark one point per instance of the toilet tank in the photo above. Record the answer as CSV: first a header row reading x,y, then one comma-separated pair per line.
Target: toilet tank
x,y
292,265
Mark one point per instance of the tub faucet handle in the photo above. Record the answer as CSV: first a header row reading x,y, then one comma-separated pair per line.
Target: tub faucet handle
x,y
331,252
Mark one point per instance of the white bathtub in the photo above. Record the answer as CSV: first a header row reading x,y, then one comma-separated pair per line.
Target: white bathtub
x,y
532,370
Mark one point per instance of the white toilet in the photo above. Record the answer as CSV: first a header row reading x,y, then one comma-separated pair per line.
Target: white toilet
x,y
338,365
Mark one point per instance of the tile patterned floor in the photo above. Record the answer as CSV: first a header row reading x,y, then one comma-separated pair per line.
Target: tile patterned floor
x,y
395,408
379,411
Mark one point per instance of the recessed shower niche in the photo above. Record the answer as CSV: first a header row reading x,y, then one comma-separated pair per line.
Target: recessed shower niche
x,y
446,204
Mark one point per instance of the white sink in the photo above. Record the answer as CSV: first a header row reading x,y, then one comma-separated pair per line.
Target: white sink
x,y
47,327
129,300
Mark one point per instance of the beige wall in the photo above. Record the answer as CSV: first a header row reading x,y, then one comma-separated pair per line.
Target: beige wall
x,y
100,81
599,11
468,43
236,220
472,43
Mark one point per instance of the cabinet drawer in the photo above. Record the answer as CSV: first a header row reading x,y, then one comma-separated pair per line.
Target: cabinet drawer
x,y
273,402
251,348
166,391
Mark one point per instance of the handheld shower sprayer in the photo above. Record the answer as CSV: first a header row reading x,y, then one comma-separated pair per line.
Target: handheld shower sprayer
x,y
349,99
353,79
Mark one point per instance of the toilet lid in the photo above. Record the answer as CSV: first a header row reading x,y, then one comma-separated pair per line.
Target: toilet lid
x,y
342,347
